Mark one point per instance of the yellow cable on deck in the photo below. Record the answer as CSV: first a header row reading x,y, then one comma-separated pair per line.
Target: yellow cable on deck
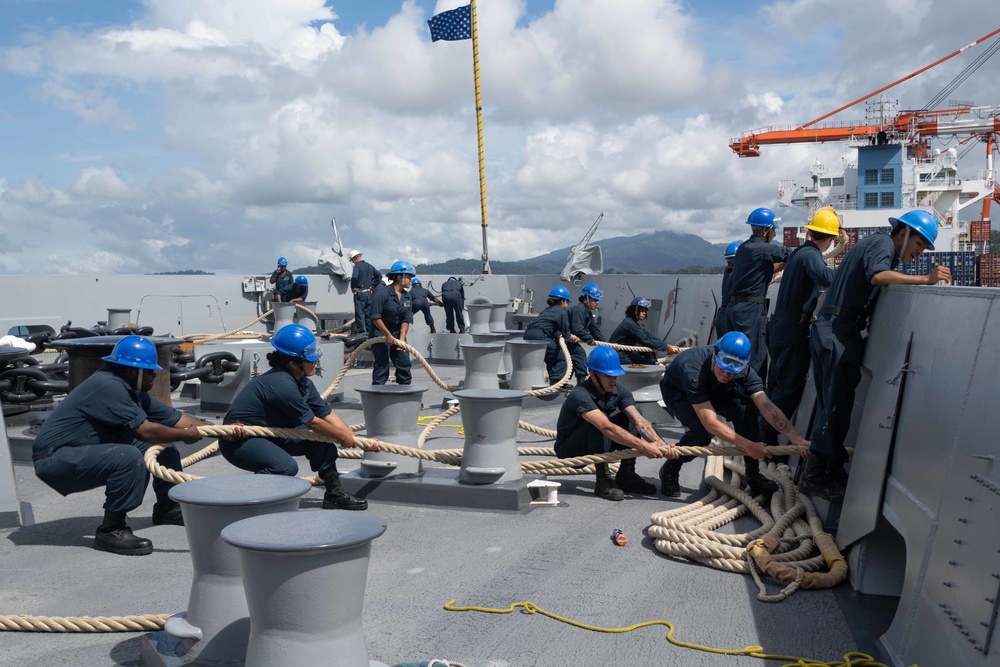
x,y
853,659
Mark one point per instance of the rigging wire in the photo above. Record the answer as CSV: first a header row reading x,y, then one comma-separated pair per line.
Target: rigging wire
x,y
969,70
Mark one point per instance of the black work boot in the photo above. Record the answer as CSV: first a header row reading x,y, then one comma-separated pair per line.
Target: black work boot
x,y
604,486
115,536
670,473
759,485
629,481
336,497
824,479
167,512
433,330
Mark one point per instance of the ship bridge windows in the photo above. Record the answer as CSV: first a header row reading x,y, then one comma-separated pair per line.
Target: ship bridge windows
x,y
888,175
871,176
887,200
871,200
835,181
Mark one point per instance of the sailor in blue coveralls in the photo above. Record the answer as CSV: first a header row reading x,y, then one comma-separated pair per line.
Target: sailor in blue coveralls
x,y
282,279
285,397
704,382
392,315
551,325
299,291
364,279
805,274
421,300
837,346
630,333
453,296
721,323
756,261
599,416
97,436
583,325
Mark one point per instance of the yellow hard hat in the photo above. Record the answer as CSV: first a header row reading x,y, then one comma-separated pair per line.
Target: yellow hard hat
x,y
825,221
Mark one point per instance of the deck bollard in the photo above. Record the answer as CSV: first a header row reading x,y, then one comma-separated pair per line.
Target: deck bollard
x,y
527,362
391,413
284,313
305,575
481,363
216,625
644,383
498,318
479,315
490,418
494,337
304,318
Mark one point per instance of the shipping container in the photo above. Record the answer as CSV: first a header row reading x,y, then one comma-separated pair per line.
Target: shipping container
x,y
792,237
979,231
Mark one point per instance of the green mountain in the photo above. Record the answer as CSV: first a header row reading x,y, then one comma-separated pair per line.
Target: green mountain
x,y
657,252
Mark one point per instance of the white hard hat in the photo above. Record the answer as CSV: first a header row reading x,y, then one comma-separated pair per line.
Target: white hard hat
x,y
353,254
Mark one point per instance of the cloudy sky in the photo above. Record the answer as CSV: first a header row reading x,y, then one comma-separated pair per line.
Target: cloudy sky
x,y
179,134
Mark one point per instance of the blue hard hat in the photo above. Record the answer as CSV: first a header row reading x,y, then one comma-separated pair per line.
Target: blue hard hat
x,y
296,341
302,280
641,302
282,261
732,352
415,281
763,217
559,292
731,249
401,268
921,221
134,351
453,278
605,360
593,291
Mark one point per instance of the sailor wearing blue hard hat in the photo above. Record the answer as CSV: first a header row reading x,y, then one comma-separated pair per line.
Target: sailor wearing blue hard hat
x,y
551,325
282,279
421,300
754,265
365,278
836,343
285,397
701,384
453,296
583,324
97,436
721,323
299,291
599,416
392,315
630,332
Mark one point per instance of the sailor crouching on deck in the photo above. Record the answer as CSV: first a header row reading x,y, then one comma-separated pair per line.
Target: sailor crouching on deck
x,y
629,332
599,416
702,383
97,436
285,397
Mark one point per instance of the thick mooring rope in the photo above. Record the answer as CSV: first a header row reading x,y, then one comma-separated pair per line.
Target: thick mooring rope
x,y
784,546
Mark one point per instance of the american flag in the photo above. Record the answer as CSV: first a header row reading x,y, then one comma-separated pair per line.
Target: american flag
x,y
452,25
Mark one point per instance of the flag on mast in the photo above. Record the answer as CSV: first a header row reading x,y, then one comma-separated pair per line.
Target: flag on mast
x,y
452,25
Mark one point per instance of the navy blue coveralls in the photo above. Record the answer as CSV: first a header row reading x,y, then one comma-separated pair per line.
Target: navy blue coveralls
x,y
297,292
630,332
393,311
278,400
453,296
575,436
88,442
721,319
583,324
364,279
282,284
689,380
804,276
421,300
747,311
550,324
836,343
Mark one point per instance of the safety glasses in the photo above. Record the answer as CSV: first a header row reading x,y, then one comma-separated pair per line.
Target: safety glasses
x,y
730,363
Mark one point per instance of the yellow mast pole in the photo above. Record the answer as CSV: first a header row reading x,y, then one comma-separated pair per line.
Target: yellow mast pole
x,y
479,130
